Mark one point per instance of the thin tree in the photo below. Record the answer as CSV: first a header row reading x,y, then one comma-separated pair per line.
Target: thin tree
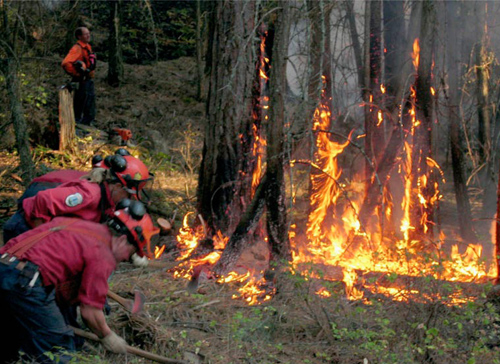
x,y
9,44
423,132
453,35
115,70
277,227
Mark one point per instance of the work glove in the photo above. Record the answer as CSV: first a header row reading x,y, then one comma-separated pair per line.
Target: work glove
x,y
141,262
114,343
93,61
80,67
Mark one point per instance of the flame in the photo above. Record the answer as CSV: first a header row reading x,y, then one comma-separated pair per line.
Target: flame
x,y
344,248
380,117
159,251
416,53
323,292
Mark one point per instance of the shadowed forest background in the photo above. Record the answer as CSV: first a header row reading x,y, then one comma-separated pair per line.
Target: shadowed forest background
x,y
330,169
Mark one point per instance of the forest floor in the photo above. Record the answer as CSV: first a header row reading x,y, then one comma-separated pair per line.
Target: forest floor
x,y
158,103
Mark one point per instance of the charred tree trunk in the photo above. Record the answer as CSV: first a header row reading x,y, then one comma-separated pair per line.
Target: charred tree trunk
x,y
277,227
394,40
374,138
467,230
243,232
320,80
422,217
497,235
223,182
9,36
115,71
400,126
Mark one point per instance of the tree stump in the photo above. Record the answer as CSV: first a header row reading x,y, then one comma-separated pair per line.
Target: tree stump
x,y
66,119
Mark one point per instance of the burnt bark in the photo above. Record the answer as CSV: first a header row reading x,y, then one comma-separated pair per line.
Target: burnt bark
x,y
374,138
277,228
320,88
424,107
394,40
394,94
243,232
497,235
223,181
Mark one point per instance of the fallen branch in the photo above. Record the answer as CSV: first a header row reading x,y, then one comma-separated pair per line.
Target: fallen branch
x,y
130,349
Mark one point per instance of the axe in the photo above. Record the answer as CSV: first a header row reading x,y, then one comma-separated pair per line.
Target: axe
x,y
134,306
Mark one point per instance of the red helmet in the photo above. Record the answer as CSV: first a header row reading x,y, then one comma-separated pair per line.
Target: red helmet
x,y
99,162
130,218
130,172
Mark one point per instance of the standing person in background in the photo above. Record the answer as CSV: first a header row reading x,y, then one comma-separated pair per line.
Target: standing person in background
x,y
80,64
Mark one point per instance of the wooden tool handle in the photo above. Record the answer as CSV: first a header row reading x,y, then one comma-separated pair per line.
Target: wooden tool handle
x,y
131,349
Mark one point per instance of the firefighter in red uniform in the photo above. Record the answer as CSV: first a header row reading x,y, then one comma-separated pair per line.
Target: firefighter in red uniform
x,y
91,200
80,64
64,262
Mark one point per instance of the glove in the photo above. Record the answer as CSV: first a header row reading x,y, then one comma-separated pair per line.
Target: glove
x,y
80,67
141,262
114,343
93,61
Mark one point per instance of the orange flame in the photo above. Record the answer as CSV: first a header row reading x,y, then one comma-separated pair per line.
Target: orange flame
x,y
416,53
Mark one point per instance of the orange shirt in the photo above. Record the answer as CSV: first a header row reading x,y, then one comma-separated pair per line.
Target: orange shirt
x,y
79,52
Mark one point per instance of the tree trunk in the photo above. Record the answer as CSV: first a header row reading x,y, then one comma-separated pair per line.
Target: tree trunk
x,y
199,51
482,67
19,122
497,235
14,95
152,27
358,52
115,70
465,224
400,126
374,139
277,228
243,231
222,180
422,216
394,40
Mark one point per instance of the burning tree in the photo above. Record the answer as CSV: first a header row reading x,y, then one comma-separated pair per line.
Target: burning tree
x,y
380,217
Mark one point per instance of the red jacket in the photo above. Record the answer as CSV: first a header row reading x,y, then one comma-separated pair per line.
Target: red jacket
x,y
79,52
77,260
60,176
78,198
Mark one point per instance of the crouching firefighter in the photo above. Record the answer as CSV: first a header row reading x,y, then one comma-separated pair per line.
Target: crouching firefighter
x,y
64,262
91,197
